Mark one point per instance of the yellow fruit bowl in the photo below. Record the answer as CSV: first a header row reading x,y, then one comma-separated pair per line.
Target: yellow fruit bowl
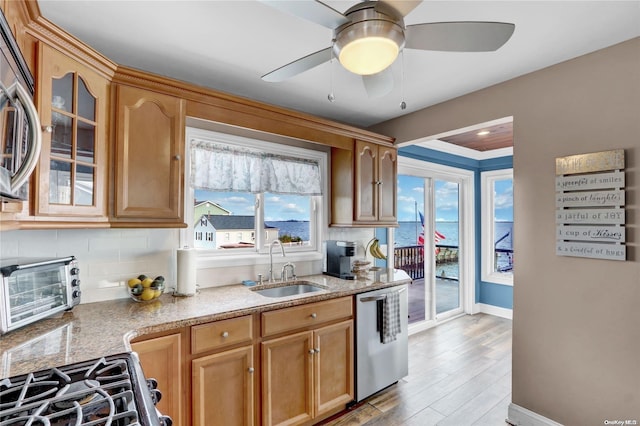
x,y
145,289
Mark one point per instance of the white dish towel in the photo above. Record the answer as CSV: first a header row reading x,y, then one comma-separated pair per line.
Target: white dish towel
x,y
391,317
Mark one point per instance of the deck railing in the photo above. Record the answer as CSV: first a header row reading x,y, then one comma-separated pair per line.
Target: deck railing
x,y
411,258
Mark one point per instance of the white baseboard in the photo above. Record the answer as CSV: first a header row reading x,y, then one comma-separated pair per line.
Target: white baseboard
x,y
519,416
494,310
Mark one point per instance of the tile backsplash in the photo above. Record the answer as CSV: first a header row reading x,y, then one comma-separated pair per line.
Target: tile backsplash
x,y
109,257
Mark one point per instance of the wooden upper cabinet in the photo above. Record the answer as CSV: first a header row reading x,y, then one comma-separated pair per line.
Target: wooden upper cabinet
x,y
149,156
388,186
376,172
366,181
73,101
363,185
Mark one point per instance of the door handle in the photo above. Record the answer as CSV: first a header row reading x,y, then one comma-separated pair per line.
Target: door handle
x,y
33,154
380,297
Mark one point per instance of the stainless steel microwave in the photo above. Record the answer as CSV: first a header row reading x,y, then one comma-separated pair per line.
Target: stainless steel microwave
x,y
20,131
33,289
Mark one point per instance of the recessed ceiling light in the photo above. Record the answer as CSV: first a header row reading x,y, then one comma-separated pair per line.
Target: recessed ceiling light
x,y
483,133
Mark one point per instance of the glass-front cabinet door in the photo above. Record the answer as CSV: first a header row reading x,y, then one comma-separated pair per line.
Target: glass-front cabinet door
x,y
73,103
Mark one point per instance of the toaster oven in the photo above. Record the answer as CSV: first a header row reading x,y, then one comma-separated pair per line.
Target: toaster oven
x,y
33,289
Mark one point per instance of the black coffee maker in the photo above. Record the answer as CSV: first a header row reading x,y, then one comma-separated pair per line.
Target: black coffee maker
x,y
339,254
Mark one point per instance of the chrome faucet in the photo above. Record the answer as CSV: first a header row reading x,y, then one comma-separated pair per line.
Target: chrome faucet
x,y
284,275
273,243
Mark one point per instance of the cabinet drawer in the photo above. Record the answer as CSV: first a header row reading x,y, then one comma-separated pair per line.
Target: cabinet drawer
x,y
287,319
207,337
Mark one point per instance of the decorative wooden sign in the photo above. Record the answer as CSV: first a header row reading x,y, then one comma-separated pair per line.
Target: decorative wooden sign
x,y
590,201
588,163
593,216
611,198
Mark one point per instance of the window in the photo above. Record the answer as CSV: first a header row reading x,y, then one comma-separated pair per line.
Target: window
x,y
209,236
497,226
198,236
255,192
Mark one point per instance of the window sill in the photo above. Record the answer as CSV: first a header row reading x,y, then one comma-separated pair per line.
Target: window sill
x,y
498,279
247,259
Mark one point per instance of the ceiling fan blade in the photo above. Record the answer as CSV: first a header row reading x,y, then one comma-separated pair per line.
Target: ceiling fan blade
x,y
299,65
458,36
380,84
313,11
401,7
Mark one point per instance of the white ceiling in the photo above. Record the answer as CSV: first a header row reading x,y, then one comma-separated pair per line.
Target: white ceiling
x,y
229,45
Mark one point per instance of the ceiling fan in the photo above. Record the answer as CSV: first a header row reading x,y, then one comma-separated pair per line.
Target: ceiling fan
x,y
368,37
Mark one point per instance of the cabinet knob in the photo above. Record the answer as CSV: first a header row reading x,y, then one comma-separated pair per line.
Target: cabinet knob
x,y
251,370
317,350
314,315
47,129
177,157
225,334
312,351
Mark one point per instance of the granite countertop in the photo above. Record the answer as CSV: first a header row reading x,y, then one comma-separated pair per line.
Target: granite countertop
x,y
94,330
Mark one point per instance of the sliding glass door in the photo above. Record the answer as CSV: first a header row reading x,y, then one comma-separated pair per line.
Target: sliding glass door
x,y
432,243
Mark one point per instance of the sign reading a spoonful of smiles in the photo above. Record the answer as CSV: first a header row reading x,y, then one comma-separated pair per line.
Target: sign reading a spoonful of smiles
x,y
590,205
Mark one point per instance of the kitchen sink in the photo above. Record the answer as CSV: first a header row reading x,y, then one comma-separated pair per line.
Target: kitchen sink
x,y
289,289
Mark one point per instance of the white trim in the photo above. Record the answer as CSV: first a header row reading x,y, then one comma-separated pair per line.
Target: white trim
x,y
465,178
520,416
487,180
421,326
432,142
253,258
461,151
494,310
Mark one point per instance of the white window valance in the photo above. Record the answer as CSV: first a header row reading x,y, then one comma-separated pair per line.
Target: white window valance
x,y
217,167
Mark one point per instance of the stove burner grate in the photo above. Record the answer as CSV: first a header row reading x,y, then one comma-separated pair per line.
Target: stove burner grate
x,y
103,392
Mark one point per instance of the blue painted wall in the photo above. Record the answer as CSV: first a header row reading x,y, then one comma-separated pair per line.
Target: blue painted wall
x,y
486,292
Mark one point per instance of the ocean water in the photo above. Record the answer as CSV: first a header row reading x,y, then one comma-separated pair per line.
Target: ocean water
x,y
295,229
407,234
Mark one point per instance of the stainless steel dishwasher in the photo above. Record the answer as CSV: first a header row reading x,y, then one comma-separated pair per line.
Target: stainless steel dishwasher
x,y
378,364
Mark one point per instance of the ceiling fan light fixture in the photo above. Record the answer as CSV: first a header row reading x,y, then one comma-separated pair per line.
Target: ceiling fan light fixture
x,y
370,42
369,55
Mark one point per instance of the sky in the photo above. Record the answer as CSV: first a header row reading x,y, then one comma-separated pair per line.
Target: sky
x,y
278,207
411,198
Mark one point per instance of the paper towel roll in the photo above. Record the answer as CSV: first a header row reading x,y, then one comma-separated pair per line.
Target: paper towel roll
x,y
186,284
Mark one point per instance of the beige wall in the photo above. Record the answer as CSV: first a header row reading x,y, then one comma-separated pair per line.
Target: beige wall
x,y
576,328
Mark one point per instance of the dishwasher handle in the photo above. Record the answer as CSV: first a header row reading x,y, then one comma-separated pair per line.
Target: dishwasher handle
x,y
377,298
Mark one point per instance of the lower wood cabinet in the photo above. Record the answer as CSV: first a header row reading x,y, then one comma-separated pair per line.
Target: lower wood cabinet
x,y
297,371
161,358
222,388
307,375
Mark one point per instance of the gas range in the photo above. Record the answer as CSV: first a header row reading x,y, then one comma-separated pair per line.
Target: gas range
x,y
108,391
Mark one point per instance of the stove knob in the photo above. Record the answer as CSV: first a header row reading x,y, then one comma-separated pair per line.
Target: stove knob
x,y
76,294
74,271
156,396
165,421
75,282
152,383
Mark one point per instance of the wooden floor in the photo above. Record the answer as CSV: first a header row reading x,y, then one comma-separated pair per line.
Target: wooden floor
x,y
459,374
